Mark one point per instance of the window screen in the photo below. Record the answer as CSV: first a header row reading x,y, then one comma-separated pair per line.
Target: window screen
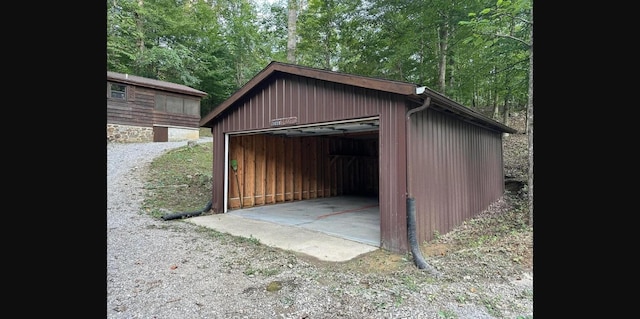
x,y
191,107
174,104
118,91
161,102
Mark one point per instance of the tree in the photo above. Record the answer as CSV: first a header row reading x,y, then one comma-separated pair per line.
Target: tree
x,y
272,23
320,29
121,33
530,123
291,31
512,21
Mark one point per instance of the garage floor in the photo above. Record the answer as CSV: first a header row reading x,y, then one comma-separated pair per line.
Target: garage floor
x,y
350,217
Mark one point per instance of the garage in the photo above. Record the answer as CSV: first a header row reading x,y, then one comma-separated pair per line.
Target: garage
x,y
296,134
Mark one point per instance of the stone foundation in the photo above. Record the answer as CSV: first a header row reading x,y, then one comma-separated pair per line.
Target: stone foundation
x,y
128,134
117,133
177,134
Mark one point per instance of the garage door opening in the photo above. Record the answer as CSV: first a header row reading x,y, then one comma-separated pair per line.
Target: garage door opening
x,y
336,161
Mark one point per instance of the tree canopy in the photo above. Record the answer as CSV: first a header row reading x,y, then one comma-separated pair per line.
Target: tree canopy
x,y
475,52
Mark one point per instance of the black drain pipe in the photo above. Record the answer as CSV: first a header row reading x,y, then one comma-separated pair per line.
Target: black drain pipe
x,y
411,202
188,214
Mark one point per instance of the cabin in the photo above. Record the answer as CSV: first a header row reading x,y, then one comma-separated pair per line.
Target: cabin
x,y
295,133
140,110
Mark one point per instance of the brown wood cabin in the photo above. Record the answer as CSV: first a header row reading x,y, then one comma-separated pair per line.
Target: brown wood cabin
x,y
146,110
295,133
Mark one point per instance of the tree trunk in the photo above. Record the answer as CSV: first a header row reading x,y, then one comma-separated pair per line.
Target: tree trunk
x,y
139,26
442,64
505,114
291,31
505,108
530,124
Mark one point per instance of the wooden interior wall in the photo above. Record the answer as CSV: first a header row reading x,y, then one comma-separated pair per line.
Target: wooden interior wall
x,y
273,169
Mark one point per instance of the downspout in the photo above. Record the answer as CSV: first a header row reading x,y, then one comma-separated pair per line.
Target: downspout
x,y
188,214
411,206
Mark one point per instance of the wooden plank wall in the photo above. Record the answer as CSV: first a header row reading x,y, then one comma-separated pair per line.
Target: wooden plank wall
x,y
274,169
139,110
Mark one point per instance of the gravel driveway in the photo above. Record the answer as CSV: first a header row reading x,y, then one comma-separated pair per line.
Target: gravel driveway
x,y
174,269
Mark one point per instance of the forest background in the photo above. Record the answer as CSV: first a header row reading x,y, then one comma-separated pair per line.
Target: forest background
x,y
476,52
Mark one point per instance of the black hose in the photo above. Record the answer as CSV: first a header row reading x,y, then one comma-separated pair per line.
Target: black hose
x,y
188,214
415,248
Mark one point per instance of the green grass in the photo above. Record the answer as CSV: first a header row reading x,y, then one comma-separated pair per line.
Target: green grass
x,y
447,314
180,180
205,132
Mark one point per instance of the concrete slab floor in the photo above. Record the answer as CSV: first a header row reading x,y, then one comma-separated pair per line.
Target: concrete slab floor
x,y
331,229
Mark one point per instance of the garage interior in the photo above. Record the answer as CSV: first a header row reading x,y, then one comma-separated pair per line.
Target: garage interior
x,y
321,177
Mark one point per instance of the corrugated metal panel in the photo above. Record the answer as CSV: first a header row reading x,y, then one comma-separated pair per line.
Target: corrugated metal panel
x,y
311,101
315,101
457,171
393,211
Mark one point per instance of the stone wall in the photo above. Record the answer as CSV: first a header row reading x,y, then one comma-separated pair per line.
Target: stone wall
x,y
129,134
135,134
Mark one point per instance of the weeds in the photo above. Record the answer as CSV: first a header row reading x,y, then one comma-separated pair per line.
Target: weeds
x,y
447,314
492,306
410,283
249,271
250,240
461,298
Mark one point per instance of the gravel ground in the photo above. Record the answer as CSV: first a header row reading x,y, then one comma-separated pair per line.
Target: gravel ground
x,y
173,269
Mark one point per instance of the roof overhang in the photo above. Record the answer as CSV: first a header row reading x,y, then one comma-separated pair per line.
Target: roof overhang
x,y
444,104
411,91
153,84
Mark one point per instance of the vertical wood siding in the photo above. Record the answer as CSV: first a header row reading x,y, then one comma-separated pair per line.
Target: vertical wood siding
x,y
298,169
457,171
315,101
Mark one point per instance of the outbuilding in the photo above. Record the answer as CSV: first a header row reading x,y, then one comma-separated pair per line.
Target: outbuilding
x,y
141,109
294,133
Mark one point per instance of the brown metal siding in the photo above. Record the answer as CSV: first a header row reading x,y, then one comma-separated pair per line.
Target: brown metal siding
x,y
311,101
393,205
315,101
457,171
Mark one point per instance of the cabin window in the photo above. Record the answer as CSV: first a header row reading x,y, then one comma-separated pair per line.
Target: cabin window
x,y
161,102
191,107
174,104
118,91
177,105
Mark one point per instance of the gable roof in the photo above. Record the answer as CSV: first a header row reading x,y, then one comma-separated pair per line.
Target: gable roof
x,y
153,84
410,90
